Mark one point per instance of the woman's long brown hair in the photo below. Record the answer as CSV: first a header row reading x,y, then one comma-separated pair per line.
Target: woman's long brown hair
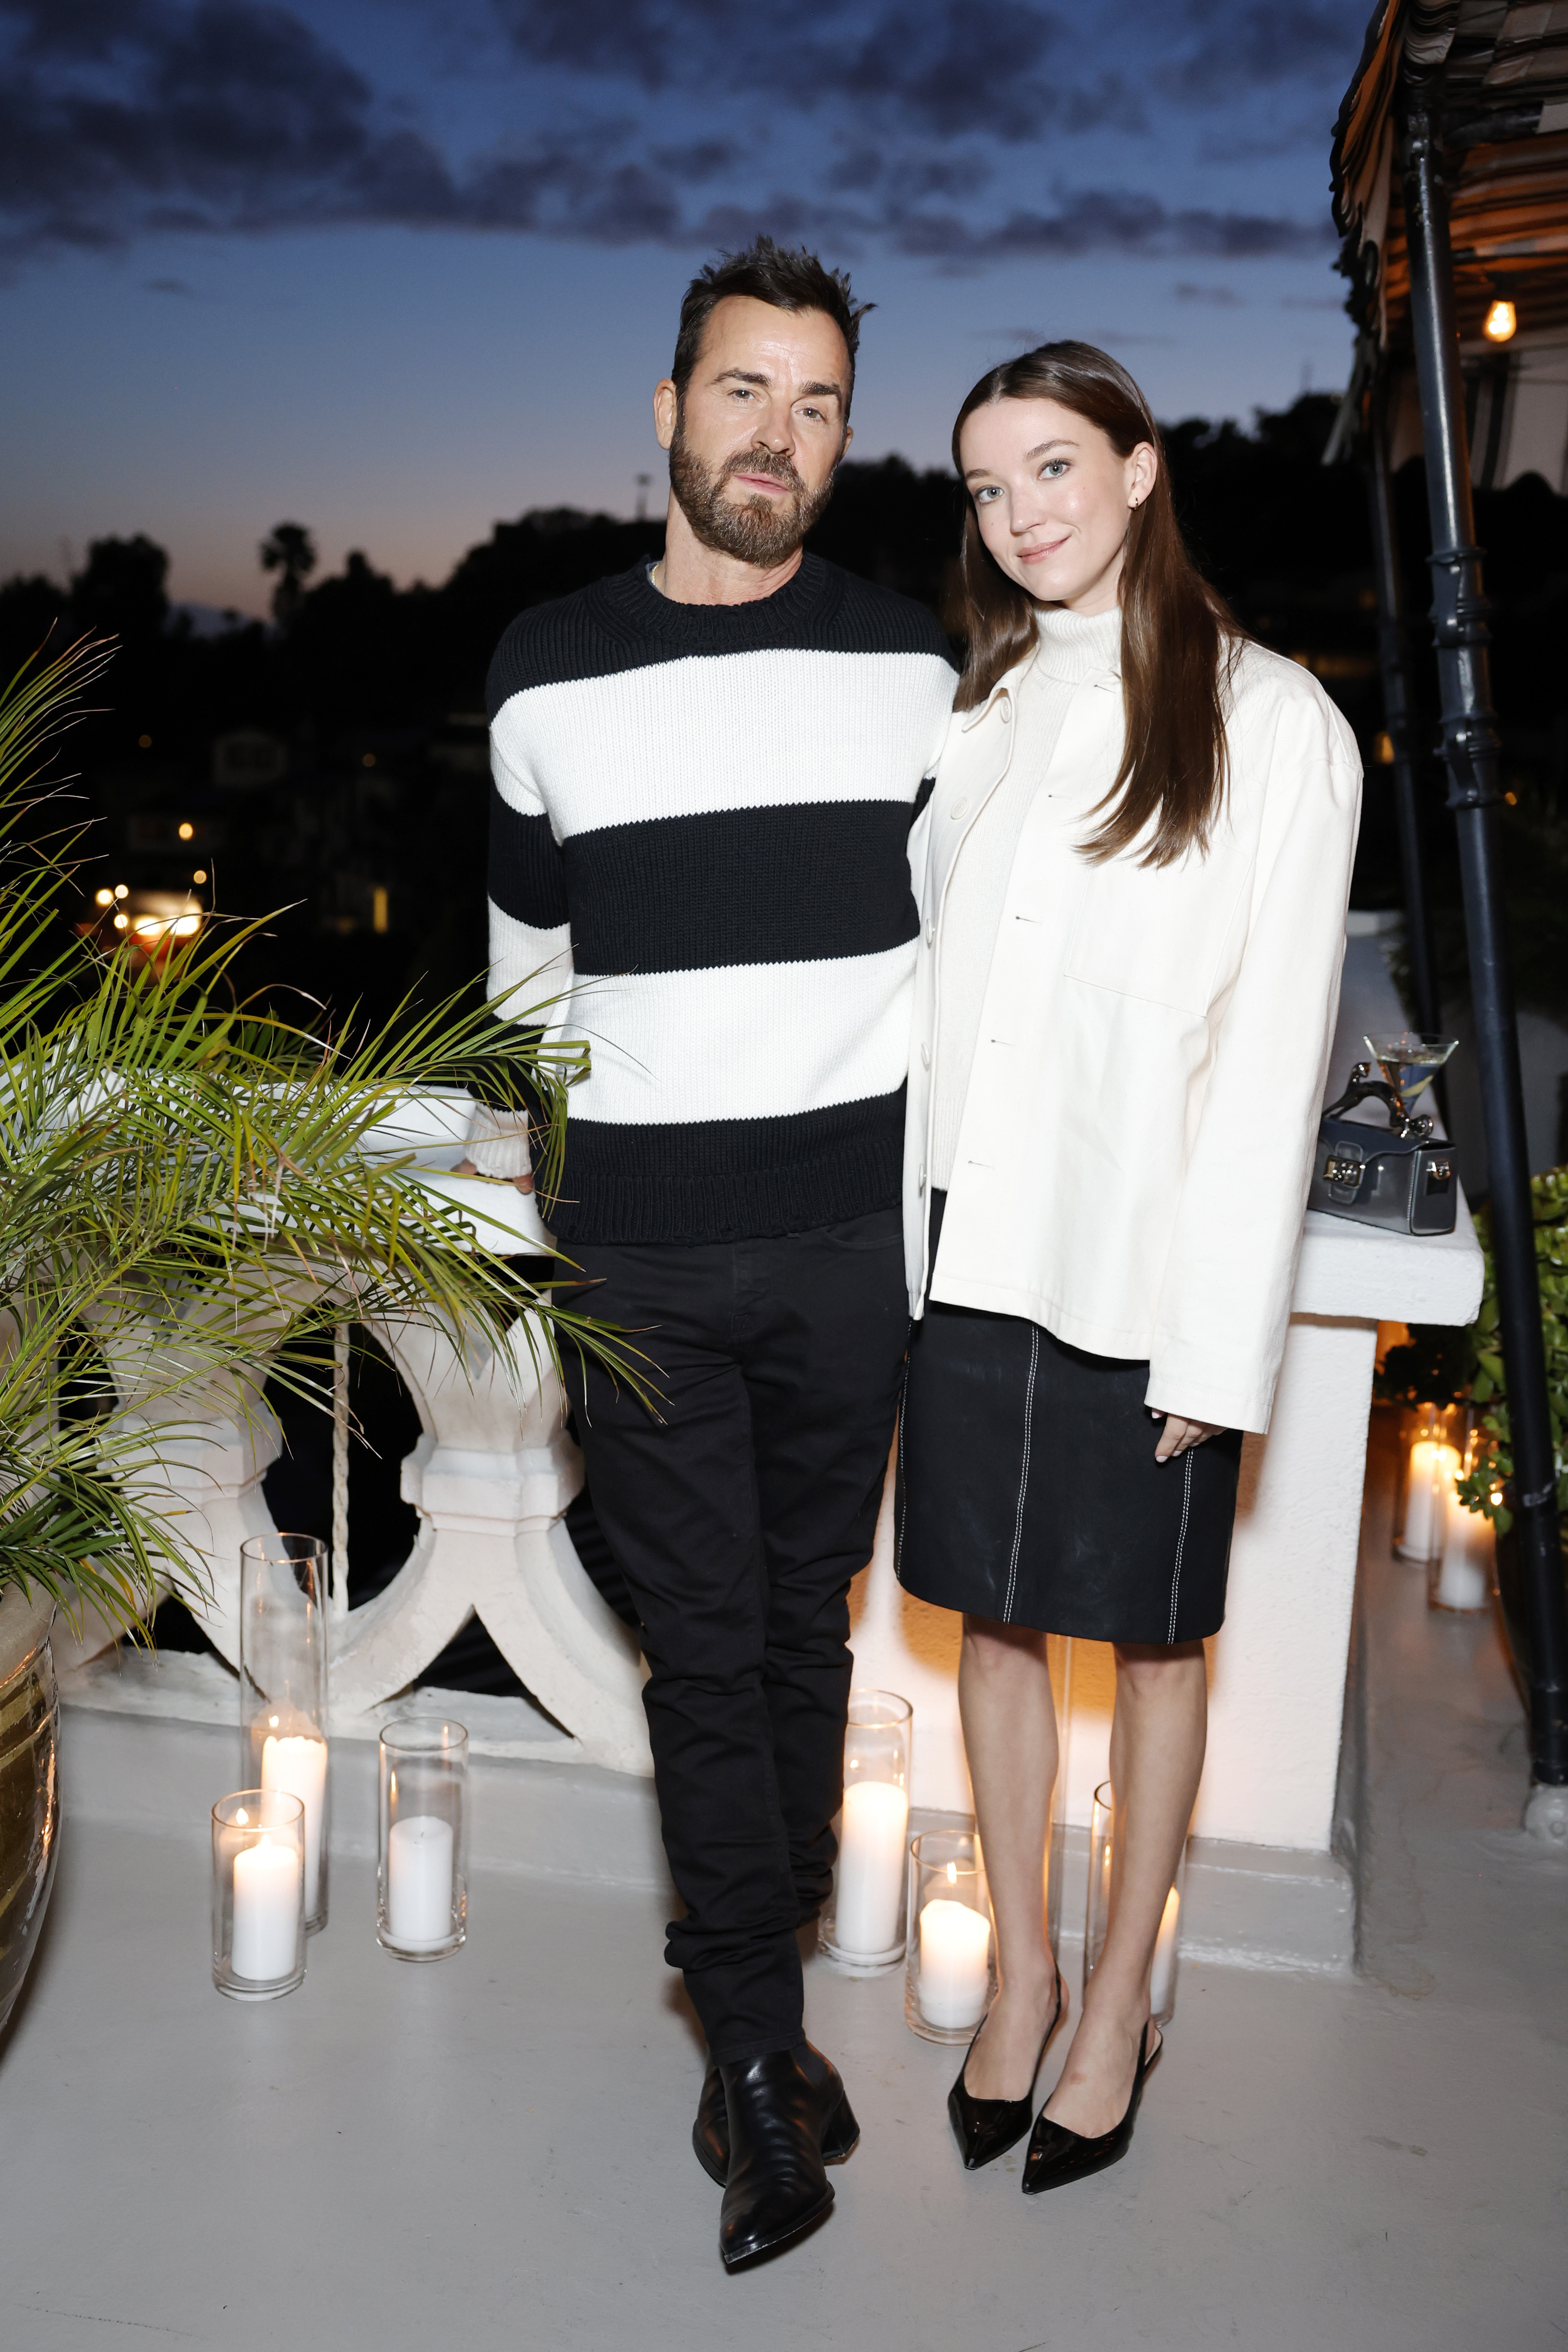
x,y
1178,637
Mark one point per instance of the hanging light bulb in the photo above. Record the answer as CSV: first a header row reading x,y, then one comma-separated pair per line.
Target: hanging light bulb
x,y
1502,320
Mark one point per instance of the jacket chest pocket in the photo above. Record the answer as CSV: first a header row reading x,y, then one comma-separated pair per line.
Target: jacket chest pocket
x,y
1168,934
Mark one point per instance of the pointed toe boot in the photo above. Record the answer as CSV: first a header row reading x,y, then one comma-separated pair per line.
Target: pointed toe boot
x,y
986,2128
710,2132
781,2109
1058,2155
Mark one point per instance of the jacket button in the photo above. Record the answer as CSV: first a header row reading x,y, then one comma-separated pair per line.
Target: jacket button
x,y
925,1057
957,810
931,929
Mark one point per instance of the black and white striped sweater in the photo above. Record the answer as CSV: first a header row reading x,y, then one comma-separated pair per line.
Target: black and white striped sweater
x,y
699,840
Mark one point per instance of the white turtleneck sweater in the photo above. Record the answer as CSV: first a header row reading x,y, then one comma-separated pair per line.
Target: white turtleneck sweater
x,y
1073,648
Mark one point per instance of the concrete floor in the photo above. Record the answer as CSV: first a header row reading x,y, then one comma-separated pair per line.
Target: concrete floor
x,y
493,2151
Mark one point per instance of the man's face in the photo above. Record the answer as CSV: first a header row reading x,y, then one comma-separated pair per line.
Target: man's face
x,y
754,441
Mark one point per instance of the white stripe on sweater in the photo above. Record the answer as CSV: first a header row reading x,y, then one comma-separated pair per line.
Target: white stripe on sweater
x,y
741,1041
772,729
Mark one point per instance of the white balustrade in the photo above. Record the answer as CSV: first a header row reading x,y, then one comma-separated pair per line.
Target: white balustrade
x,y
490,1477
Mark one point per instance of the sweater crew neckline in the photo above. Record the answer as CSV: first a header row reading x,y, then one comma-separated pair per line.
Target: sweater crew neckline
x,y
635,611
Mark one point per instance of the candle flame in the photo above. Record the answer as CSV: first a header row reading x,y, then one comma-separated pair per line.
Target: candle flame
x,y
952,1874
272,1720
242,1819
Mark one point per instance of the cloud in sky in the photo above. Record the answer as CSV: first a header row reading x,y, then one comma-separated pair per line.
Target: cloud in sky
x,y
948,132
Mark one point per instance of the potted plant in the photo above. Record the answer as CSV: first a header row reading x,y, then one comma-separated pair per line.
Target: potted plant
x,y
183,1176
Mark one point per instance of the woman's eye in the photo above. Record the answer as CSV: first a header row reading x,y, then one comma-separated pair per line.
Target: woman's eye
x,y
984,497
1053,465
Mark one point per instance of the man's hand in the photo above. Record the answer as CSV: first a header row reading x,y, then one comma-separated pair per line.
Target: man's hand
x,y
1179,1435
466,1167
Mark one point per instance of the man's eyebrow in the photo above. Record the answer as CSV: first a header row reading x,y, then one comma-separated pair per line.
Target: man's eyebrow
x,y
1038,451
755,375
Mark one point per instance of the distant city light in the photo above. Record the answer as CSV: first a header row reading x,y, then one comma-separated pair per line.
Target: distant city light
x,y
368,760
120,921
121,891
187,833
1500,322
186,925
1382,749
104,897
146,740
378,907
200,875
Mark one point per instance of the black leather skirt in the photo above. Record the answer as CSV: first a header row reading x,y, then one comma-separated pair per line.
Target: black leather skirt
x,y
1029,1489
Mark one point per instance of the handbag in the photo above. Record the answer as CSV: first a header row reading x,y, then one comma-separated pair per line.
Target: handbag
x,y
1396,1177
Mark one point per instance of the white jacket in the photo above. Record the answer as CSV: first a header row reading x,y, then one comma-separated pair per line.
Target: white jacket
x,y
1137,1135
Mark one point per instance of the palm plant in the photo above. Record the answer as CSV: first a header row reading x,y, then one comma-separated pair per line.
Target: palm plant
x,y
191,1187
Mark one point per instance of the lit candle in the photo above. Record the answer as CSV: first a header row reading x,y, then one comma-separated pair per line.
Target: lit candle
x,y
955,1954
1433,1466
419,1880
872,1866
1163,1978
266,1911
1463,1576
298,1767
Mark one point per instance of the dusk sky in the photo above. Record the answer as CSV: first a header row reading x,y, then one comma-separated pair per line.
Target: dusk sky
x,y
396,269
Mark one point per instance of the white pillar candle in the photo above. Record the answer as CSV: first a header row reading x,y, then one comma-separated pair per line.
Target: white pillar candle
x,y
1433,1466
1464,1574
298,1767
419,1880
872,1861
955,1953
1163,1978
266,1911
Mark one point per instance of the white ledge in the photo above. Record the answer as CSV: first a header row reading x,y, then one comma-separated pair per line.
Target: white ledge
x,y
1383,1278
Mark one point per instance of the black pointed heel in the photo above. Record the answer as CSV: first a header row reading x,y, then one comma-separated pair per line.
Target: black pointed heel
x,y
986,2128
1058,2155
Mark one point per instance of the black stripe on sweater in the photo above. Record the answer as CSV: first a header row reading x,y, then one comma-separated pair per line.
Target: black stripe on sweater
x,y
622,623
730,1179
527,879
741,887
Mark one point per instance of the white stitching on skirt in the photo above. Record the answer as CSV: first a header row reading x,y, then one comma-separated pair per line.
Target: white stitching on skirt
x,y
1022,1476
1181,1542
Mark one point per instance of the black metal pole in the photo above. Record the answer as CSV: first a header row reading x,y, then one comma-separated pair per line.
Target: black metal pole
x,y
1398,707
1470,753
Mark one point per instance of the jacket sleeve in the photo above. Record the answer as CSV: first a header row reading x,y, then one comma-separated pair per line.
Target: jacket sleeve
x,y
1224,1299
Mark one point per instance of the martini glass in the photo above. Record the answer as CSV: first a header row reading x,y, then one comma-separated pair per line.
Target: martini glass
x,y
1409,1059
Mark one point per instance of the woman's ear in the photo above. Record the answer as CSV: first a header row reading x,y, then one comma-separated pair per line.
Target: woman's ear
x,y
1142,471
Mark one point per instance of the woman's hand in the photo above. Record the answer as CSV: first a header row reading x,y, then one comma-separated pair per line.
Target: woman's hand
x,y
1179,1435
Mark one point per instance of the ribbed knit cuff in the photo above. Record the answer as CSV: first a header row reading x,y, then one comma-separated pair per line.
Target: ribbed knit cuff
x,y
497,1142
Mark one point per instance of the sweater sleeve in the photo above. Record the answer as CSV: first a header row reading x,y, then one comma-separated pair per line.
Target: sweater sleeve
x,y
1225,1300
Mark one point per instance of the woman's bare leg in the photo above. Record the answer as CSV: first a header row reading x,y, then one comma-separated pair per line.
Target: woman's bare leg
x,y
1010,1733
1156,1756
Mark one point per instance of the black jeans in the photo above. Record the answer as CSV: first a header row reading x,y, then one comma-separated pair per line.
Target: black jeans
x,y
738,1519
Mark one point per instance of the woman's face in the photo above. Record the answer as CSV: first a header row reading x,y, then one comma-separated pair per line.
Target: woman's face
x,y
1052,498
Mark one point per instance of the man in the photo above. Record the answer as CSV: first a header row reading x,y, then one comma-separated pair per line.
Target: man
x,y
705,777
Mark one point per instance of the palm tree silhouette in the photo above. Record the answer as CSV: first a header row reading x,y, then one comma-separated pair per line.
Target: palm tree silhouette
x,y
289,549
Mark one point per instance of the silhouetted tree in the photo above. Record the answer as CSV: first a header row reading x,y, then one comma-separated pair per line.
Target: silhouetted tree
x,y
120,591
290,549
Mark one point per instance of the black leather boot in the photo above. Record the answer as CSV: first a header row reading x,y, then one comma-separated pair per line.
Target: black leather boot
x,y
780,2109
710,2132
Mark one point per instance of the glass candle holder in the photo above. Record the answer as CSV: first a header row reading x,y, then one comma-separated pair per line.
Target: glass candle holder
x,y
862,1925
283,1620
1461,1574
950,1975
422,1891
1103,1840
259,1894
1431,1464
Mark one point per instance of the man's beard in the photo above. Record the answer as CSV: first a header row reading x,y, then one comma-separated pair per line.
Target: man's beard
x,y
763,531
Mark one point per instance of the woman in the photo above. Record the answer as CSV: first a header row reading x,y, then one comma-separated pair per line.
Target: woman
x,y
1135,869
